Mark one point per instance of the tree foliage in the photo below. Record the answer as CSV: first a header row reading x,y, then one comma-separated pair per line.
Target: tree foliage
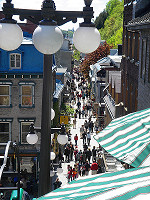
x,y
99,22
76,54
112,30
66,110
102,51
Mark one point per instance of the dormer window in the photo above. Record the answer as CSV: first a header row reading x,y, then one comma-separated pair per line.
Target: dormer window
x,y
15,60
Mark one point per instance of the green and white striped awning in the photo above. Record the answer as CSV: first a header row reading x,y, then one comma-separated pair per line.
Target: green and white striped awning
x,y
121,185
128,138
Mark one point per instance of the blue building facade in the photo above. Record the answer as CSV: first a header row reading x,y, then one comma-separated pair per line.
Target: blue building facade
x,y
21,82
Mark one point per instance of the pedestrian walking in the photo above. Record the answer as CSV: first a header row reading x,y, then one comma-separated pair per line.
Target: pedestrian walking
x,y
94,152
86,125
57,183
78,104
88,138
71,151
74,123
87,168
94,167
76,139
88,154
67,153
81,131
100,162
75,154
85,146
83,113
84,137
96,126
79,113
69,174
91,126
74,173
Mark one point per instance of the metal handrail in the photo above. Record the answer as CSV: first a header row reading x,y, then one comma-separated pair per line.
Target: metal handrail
x,y
5,158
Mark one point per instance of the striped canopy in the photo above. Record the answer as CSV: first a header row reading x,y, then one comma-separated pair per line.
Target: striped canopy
x,y
128,138
122,185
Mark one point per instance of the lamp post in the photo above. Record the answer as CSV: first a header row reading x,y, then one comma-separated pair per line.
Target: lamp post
x,y
47,39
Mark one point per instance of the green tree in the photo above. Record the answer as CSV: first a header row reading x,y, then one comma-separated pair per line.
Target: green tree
x,y
76,54
99,22
111,5
112,31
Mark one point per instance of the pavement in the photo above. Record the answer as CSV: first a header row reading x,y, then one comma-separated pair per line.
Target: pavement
x,y
111,163
79,123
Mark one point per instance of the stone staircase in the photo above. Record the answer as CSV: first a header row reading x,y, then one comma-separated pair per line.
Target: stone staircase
x,y
112,164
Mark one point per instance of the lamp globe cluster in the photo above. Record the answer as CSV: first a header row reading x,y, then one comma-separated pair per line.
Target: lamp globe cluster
x,y
48,39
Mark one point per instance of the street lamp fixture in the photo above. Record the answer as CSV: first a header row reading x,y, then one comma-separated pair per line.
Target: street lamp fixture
x,y
32,137
52,114
48,39
62,137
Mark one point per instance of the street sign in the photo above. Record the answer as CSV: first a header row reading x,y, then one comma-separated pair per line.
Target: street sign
x,y
64,119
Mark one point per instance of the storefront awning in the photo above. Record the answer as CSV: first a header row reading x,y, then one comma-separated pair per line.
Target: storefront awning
x,y
121,185
128,138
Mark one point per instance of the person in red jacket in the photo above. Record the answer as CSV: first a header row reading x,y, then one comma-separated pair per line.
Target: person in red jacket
x,y
94,167
76,139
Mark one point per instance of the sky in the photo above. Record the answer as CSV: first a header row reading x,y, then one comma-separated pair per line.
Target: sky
x,y
64,5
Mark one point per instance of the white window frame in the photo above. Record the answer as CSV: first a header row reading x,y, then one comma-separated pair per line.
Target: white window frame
x,y
32,85
23,122
15,54
4,84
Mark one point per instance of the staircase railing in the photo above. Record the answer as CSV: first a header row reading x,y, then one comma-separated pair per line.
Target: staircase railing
x,y
5,158
16,151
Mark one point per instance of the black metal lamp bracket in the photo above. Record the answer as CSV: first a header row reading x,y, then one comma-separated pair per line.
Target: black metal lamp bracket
x,y
48,12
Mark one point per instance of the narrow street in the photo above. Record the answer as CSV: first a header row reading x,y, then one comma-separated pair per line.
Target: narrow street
x,y
111,163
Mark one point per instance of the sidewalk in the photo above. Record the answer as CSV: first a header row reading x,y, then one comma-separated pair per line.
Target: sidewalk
x,y
79,123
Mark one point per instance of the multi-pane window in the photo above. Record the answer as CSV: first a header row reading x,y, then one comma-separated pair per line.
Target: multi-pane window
x,y
4,132
24,131
15,60
4,95
26,94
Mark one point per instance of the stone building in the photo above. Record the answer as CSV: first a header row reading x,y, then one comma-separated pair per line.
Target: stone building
x,y
135,64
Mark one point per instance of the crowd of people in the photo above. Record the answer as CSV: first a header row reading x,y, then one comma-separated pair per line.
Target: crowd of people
x,y
87,158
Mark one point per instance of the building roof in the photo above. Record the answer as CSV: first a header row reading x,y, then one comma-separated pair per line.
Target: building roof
x,y
115,58
139,22
61,71
58,90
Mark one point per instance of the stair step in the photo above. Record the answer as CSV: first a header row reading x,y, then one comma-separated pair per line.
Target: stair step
x,y
9,173
8,188
1,157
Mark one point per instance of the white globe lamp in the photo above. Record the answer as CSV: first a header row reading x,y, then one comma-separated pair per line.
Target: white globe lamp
x,y
52,156
11,36
52,114
86,39
47,39
32,138
62,139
